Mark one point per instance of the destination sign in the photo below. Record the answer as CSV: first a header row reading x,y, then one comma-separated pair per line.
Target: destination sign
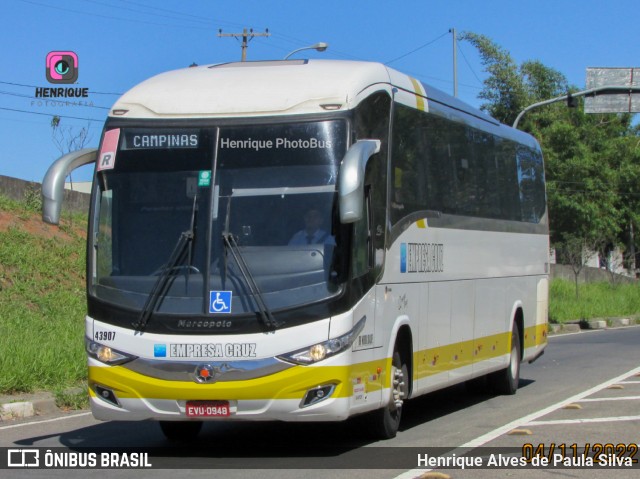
x,y
160,139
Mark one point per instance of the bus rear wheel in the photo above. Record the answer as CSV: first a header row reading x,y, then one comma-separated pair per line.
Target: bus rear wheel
x,y
386,421
506,381
179,431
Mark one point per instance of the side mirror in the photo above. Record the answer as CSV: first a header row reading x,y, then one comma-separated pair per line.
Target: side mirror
x,y
351,180
53,182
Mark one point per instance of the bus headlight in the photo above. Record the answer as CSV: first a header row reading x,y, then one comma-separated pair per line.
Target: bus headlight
x,y
106,354
326,349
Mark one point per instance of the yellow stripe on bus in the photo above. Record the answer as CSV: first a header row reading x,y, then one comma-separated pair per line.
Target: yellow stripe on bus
x,y
293,383
419,95
428,362
453,356
536,335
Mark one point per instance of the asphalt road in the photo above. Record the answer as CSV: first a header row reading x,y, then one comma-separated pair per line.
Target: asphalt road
x,y
596,374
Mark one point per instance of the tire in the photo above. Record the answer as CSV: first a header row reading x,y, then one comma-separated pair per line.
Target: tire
x,y
506,381
180,431
386,421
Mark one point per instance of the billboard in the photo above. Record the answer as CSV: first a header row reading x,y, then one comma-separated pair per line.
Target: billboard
x,y
606,102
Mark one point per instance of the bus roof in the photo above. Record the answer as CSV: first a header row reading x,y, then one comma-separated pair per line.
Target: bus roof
x,y
279,87
250,89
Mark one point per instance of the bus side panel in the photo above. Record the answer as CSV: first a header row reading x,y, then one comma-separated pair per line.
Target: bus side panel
x,y
464,352
492,324
432,358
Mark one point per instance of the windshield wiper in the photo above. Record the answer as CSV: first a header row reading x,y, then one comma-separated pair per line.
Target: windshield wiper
x,y
182,249
230,243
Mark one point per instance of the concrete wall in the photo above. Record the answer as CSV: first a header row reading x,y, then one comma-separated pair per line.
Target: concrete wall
x,y
19,189
587,275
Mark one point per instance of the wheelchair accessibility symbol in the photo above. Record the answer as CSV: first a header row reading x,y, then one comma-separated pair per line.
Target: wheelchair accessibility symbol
x,y
220,301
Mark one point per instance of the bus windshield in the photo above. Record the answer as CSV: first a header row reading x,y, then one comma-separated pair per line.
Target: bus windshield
x,y
272,188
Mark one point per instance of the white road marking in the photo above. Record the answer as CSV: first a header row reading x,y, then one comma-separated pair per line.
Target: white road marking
x,y
44,421
530,419
523,421
552,422
624,398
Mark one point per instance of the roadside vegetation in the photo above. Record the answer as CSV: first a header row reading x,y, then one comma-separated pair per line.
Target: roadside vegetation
x,y
596,300
592,161
42,300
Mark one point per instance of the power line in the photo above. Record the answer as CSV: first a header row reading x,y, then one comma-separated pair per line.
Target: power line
x,y
172,17
136,21
189,16
468,64
198,19
49,114
416,49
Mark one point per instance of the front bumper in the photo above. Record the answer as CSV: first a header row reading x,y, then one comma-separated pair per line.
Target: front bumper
x,y
277,396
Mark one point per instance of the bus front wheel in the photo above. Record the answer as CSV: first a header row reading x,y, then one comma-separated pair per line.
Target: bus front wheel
x,y
387,420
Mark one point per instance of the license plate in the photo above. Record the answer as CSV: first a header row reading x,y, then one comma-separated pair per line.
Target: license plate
x,y
208,409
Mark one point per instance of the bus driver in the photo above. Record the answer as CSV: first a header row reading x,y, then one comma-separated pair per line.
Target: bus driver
x,y
312,233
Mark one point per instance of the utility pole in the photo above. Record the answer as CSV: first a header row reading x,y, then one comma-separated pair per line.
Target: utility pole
x,y
455,62
246,37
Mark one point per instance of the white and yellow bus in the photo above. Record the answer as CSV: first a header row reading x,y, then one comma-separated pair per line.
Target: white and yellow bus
x,y
429,266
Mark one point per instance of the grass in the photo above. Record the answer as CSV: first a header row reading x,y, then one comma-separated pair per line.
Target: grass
x,y
42,304
595,300
70,399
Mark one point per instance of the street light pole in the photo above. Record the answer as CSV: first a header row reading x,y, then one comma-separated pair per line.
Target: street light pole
x,y
606,89
320,46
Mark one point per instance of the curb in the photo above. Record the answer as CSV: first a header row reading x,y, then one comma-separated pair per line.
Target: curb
x,y
563,328
591,324
29,405
20,409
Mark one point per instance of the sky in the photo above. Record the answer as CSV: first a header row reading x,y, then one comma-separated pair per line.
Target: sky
x,y
120,43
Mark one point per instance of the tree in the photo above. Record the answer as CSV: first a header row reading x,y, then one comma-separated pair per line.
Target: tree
x,y
68,138
510,88
627,162
592,162
504,89
582,197
576,252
